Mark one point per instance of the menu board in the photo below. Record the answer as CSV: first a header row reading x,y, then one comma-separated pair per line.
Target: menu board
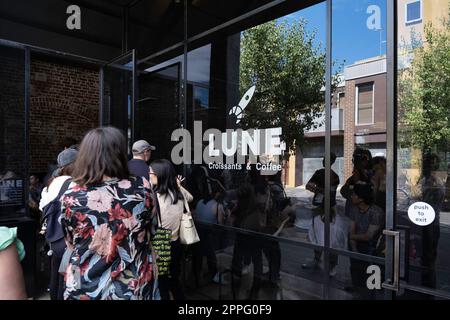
x,y
11,192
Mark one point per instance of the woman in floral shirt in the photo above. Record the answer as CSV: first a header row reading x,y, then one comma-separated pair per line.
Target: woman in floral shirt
x,y
108,218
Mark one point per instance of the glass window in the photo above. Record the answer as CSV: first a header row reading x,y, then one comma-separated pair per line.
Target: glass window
x,y
423,154
254,91
413,12
12,133
201,95
358,218
364,104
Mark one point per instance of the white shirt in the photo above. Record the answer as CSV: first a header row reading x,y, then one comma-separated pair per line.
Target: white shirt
x,y
338,232
171,213
49,194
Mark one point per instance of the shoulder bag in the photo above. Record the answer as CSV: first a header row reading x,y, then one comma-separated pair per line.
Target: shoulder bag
x,y
188,232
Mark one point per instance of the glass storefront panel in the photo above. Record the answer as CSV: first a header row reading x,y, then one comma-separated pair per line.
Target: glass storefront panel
x,y
358,139
160,104
224,266
423,139
254,93
157,112
12,135
118,94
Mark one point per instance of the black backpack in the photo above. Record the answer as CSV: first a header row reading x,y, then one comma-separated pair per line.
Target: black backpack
x,y
52,228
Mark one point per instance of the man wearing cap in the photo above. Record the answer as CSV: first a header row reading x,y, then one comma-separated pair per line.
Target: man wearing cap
x,y
142,152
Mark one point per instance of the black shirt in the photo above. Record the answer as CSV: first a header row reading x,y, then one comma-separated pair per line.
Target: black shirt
x,y
319,179
138,168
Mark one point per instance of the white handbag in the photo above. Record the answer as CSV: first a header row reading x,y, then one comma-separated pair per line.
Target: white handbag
x,y
188,233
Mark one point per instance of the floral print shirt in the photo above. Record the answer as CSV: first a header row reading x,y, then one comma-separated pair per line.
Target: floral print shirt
x,y
108,227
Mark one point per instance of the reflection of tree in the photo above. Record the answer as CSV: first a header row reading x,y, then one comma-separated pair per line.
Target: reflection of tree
x,y
424,128
289,73
424,92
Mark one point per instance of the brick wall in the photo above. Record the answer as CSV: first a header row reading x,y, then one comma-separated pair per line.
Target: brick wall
x,y
349,127
64,102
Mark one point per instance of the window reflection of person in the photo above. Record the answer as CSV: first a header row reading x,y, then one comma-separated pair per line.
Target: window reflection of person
x,y
280,212
431,189
210,209
365,229
317,184
315,234
251,214
379,181
361,175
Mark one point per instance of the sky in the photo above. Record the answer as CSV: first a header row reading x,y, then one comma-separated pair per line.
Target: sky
x,y
352,40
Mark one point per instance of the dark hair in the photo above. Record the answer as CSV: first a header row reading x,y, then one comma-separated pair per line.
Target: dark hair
x,y
167,179
361,154
103,152
364,191
332,159
258,181
68,142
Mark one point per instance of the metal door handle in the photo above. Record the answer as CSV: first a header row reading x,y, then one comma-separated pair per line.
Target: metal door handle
x,y
389,284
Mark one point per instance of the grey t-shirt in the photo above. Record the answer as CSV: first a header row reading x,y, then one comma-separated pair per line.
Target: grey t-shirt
x,y
373,216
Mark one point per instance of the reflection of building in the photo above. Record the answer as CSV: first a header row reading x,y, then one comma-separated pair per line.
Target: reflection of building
x,y
309,156
413,16
365,109
358,118
359,108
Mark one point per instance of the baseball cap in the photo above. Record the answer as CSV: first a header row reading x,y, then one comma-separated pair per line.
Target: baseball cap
x,y
66,157
142,145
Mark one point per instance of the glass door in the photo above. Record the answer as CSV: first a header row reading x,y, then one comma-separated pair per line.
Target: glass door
x,y
158,107
422,213
118,94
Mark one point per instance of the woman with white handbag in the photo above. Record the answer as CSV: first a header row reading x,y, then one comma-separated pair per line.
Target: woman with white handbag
x,y
175,216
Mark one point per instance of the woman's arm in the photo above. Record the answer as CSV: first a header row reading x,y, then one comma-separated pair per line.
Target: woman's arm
x,y
12,283
186,194
220,214
312,183
352,233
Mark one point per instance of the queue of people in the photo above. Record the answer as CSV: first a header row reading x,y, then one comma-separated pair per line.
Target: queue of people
x,y
99,213
359,228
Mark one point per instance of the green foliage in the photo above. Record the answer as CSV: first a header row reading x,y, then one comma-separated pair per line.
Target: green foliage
x,y
424,92
289,73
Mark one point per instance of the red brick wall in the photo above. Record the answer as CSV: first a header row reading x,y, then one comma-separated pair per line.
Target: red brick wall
x,y
349,127
64,102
